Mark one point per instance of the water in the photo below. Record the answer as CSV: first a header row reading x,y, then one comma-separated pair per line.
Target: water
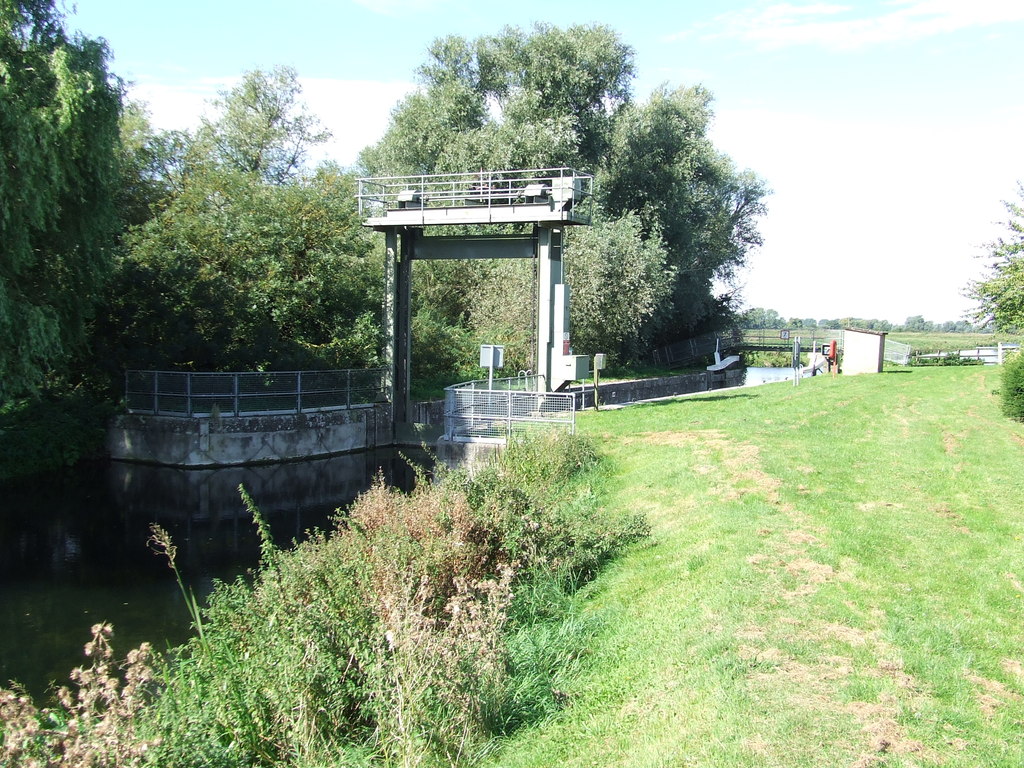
x,y
73,548
767,375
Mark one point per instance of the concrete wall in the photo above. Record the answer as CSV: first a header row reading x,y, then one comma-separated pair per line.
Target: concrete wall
x,y
229,441
863,351
237,441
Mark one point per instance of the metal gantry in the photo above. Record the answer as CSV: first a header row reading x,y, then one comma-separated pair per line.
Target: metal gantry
x,y
545,200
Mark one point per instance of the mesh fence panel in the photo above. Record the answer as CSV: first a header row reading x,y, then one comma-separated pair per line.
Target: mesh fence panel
x,y
495,414
174,393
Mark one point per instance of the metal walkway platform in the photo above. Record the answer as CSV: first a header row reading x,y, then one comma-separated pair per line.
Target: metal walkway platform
x,y
550,196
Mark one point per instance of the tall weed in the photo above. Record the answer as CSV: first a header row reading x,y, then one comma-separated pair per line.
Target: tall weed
x,y
97,724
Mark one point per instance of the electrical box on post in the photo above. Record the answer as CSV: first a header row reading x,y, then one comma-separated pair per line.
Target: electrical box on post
x,y
575,367
599,360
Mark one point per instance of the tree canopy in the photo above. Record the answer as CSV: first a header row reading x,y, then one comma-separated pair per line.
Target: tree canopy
x,y
1000,296
59,109
246,260
553,97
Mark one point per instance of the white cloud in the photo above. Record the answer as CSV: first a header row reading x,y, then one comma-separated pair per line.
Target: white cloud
x,y
872,218
845,27
178,105
356,112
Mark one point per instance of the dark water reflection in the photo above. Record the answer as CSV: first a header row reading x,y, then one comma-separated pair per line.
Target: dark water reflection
x,y
73,547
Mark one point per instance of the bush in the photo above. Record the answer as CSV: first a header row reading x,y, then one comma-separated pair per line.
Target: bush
x,y
51,431
422,626
1012,391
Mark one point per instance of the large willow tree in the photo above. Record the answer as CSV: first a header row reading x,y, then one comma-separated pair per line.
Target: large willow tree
x,y
59,109
552,97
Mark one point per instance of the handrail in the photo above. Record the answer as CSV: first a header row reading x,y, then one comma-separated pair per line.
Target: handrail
x,y
201,394
476,412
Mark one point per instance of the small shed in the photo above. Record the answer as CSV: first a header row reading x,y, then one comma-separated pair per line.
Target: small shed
x,y
863,351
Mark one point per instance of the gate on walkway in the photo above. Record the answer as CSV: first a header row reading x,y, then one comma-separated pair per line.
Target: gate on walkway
x,y
475,411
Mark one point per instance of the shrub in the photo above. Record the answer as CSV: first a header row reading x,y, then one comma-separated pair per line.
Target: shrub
x,y
52,431
1012,391
420,627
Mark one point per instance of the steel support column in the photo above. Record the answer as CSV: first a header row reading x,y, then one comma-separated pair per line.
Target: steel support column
x,y
549,274
397,318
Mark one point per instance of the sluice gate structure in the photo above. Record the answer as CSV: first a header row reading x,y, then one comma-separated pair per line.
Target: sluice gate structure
x,y
542,202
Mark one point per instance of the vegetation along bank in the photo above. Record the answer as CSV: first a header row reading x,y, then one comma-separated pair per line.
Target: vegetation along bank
x,y
832,577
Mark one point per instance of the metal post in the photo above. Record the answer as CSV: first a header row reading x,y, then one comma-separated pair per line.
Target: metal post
x,y
348,388
397,312
549,274
156,393
234,381
188,394
298,391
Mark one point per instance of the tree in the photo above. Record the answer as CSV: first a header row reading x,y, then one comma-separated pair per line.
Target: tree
x,y
919,324
236,274
262,128
663,167
59,109
1000,297
513,100
620,280
562,97
759,318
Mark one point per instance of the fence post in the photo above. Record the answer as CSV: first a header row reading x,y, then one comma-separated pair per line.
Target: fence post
x,y
298,391
156,393
234,381
188,394
508,416
348,388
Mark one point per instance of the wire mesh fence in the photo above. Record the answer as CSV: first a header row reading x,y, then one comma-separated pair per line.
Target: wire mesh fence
x,y
252,393
475,411
897,352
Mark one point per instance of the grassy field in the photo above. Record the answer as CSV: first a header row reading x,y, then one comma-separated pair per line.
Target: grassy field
x,y
836,579
945,342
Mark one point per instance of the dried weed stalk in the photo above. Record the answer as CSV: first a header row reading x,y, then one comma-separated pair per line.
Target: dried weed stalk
x,y
95,726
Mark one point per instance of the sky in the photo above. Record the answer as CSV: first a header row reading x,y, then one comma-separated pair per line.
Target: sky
x,y
889,131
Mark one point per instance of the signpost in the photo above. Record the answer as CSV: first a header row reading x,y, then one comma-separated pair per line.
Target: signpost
x,y
796,361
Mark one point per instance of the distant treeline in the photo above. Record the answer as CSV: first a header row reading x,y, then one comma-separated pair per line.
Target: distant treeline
x,y
758,318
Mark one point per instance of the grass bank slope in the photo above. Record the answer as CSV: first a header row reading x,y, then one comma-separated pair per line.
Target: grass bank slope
x,y
836,579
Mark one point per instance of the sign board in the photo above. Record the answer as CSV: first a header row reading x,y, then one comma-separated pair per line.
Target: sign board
x,y
784,335
492,356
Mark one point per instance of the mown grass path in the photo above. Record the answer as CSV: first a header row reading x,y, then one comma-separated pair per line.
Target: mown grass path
x,y
836,578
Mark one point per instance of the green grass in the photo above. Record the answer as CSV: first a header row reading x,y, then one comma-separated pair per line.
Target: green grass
x,y
836,578
946,342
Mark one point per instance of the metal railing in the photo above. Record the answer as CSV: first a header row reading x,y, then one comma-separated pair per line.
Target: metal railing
x,y
377,195
253,393
688,351
474,412
810,338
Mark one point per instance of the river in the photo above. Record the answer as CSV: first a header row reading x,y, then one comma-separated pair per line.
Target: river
x,y
73,547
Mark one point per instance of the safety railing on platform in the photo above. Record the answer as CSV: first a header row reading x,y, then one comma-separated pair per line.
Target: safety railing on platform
x,y
252,393
377,195
478,411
